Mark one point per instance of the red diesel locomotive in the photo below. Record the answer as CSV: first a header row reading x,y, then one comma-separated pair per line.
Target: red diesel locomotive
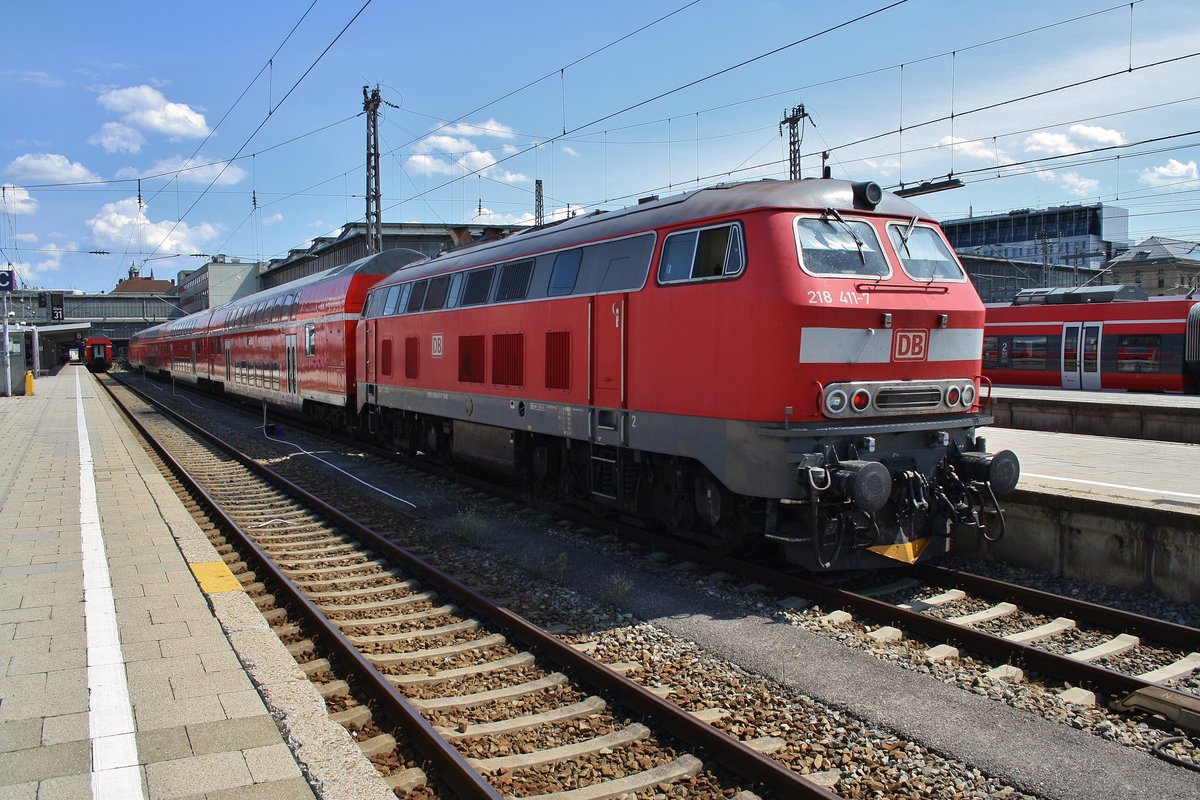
x,y
791,361
1095,337
97,353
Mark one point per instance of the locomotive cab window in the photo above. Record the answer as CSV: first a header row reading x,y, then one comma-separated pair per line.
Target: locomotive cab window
x,y
392,301
715,252
417,297
835,247
923,254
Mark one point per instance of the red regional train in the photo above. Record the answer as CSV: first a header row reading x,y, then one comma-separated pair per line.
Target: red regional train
x,y
795,361
1095,337
98,353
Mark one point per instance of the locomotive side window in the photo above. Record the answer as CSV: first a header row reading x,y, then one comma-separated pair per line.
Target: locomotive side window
x,y
565,272
479,285
310,339
402,302
417,298
456,285
435,297
393,300
707,253
831,246
514,281
923,254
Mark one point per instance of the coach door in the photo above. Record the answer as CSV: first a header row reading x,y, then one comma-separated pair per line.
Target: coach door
x,y
228,359
1070,356
610,330
1090,356
289,347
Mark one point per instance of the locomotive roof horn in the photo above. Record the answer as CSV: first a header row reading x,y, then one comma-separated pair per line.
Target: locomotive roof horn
x,y
867,194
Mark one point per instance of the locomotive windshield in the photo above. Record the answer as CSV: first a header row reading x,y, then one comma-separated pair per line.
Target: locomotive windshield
x,y
830,245
923,254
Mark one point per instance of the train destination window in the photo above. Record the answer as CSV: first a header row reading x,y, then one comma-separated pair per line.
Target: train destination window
x,y
479,285
310,339
566,270
514,281
832,246
923,254
707,253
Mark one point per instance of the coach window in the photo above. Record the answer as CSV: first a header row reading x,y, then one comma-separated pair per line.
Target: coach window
x,y
291,301
1029,352
564,273
478,286
514,281
310,339
700,255
923,254
1139,353
833,246
417,298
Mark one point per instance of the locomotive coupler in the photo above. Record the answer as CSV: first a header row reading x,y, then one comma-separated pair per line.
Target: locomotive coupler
x,y
1000,471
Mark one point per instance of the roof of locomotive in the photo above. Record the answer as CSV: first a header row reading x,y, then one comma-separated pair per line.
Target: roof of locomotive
x,y
723,199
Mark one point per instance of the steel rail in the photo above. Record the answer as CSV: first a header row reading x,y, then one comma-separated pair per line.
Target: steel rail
x,y
761,770
1160,630
453,768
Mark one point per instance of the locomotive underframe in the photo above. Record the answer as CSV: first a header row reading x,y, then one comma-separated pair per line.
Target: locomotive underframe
x,y
726,483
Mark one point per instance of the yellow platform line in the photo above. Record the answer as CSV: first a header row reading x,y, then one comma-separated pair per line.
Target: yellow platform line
x,y
214,577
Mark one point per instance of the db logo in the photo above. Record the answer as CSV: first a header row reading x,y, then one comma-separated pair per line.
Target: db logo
x,y
436,346
910,346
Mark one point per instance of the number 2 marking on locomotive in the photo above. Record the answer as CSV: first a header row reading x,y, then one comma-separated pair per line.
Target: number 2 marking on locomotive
x,y
825,298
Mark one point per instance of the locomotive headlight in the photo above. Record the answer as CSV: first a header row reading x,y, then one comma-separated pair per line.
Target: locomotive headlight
x,y
968,395
835,401
953,395
860,401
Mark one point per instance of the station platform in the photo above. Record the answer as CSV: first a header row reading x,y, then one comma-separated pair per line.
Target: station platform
x,y
117,680
1129,415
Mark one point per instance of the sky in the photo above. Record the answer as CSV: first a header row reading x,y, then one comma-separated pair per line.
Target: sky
x,y
244,121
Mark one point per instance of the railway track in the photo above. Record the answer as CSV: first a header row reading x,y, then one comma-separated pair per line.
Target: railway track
x,y
499,706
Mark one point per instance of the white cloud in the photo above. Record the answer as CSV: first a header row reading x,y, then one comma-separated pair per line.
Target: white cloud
x,y
271,220
199,171
33,274
47,168
572,152
976,148
1096,135
147,108
119,223
30,76
1072,182
117,137
1052,143
1082,137
1172,172
18,201
446,145
27,238
489,128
